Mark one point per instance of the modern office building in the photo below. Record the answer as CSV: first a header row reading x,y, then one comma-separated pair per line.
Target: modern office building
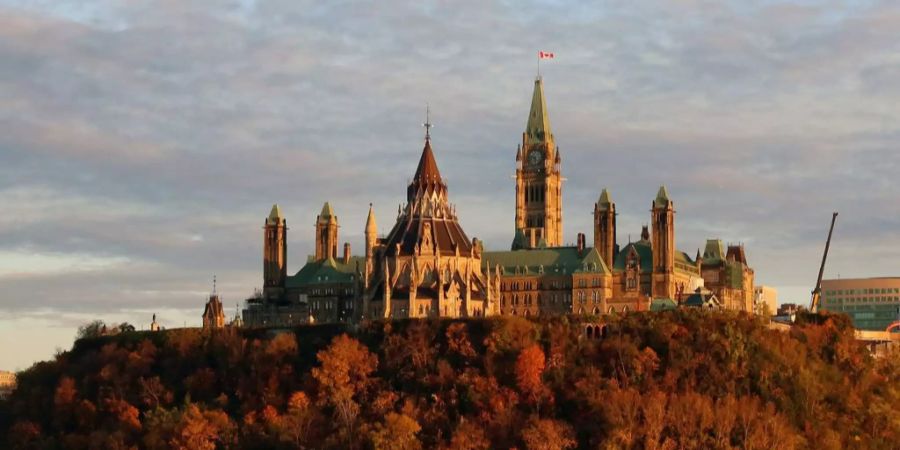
x,y
872,303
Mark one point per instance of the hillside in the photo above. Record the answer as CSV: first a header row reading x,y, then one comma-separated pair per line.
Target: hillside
x,y
678,379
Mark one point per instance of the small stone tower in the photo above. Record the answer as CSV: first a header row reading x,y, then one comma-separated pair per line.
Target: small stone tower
x,y
213,313
371,243
663,245
538,178
274,252
605,228
326,234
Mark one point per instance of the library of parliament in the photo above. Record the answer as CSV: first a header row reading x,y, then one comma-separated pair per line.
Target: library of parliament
x,y
427,266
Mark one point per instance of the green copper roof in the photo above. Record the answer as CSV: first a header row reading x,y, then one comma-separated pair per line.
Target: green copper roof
x,y
714,251
662,304
327,271
662,197
556,260
644,252
519,241
604,198
538,125
327,212
275,215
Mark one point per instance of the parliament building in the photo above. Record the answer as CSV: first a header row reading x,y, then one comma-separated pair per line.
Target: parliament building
x,y
427,266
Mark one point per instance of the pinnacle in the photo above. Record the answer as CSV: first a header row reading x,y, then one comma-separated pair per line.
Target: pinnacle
x,y
662,197
327,212
275,215
428,169
370,221
604,198
538,126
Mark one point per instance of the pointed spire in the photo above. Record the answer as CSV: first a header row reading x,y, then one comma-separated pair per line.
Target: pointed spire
x,y
427,123
371,227
538,125
662,197
604,201
275,214
427,171
327,212
519,152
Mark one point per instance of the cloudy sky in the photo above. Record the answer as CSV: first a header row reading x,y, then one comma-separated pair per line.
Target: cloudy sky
x,y
142,143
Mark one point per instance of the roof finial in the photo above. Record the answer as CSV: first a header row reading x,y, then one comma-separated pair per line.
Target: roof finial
x,y
427,123
214,285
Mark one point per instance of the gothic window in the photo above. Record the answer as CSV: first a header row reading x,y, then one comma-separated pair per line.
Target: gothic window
x,y
594,296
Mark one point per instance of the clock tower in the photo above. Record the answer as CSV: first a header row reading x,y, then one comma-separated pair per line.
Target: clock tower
x,y
538,180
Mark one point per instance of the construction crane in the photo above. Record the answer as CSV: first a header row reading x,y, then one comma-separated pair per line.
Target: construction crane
x,y
817,292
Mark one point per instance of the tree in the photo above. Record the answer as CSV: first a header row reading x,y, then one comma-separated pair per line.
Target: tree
x,y
547,434
344,373
398,432
529,368
91,330
469,436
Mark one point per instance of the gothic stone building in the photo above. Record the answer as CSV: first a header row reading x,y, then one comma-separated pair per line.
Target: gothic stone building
x,y
426,266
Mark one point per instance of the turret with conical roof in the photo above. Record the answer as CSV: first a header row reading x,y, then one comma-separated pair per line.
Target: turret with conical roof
x,y
605,228
326,233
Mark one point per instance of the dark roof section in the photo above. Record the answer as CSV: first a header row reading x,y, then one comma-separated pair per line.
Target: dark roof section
x,y
213,307
446,235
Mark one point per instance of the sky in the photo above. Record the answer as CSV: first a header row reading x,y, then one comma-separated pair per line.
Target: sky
x,y
142,143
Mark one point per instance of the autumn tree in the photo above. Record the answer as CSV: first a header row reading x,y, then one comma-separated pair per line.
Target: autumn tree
x,y
548,434
342,375
529,368
398,432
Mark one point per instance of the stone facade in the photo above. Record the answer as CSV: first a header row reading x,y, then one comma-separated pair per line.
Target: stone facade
x,y
426,266
213,313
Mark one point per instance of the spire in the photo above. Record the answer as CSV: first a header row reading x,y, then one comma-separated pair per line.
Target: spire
x,y
275,216
327,212
662,197
371,227
604,200
427,123
538,118
428,169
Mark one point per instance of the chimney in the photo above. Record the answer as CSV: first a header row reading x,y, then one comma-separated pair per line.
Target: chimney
x,y
346,253
580,243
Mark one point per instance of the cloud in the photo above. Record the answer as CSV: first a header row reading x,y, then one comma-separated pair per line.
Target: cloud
x,y
142,143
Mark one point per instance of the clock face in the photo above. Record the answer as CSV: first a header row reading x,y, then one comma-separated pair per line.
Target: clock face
x,y
535,157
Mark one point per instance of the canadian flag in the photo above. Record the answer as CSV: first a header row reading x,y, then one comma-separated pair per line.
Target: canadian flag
x,y
545,55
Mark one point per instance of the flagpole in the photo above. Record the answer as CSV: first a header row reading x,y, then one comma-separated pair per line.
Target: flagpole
x,y
539,65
